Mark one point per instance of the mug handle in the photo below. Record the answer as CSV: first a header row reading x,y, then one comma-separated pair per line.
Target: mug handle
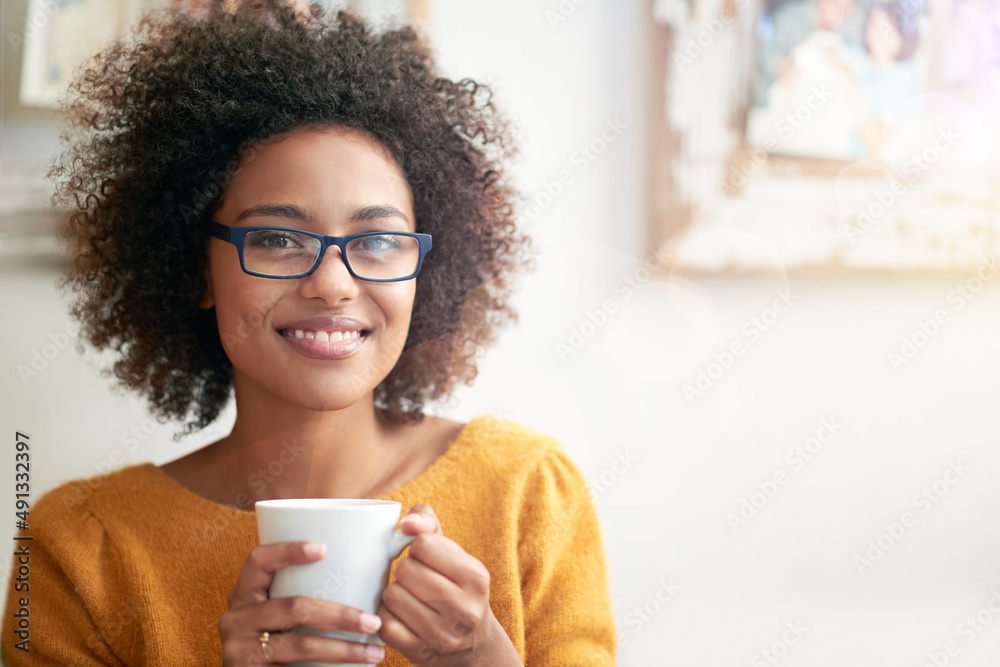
x,y
400,541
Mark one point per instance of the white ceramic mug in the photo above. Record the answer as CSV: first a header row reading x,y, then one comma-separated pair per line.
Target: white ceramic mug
x,y
361,541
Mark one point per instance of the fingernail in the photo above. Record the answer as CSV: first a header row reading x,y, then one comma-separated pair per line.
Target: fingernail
x,y
315,549
370,622
413,518
375,653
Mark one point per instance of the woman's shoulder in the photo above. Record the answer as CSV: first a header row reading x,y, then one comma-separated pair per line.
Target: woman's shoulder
x,y
97,494
512,436
516,448
532,466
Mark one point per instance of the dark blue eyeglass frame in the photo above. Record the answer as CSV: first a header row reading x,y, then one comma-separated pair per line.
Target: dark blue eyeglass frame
x,y
237,236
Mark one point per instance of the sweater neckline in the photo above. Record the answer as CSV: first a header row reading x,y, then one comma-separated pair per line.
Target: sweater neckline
x,y
408,494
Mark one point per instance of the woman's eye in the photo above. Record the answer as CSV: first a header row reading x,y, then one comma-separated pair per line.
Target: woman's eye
x,y
272,240
378,243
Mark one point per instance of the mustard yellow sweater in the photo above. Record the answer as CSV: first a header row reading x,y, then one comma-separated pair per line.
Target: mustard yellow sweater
x,y
134,569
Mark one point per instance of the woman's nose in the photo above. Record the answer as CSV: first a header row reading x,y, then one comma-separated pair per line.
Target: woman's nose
x,y
331,280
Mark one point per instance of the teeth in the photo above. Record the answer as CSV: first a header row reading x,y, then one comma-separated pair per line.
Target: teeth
x,y
327,336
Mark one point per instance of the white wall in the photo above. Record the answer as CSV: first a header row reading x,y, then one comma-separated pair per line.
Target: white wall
x,y
682,465
693,462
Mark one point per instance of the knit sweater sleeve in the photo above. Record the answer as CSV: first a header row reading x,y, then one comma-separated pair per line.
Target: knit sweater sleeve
x,y
66,563
568,615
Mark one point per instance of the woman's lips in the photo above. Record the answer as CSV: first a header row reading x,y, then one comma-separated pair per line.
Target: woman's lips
x,y
317,348
324,323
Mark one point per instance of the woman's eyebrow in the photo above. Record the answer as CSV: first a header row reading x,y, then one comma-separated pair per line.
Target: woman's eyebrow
x,y
379,211
275,211
291,212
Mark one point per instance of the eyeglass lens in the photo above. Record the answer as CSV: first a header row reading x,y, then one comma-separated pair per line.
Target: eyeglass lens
x,y
284,253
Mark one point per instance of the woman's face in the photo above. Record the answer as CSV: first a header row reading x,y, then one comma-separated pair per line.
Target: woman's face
x,y
331,181
882,37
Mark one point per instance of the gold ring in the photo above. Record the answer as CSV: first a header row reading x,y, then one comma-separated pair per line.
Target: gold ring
x,y
264,637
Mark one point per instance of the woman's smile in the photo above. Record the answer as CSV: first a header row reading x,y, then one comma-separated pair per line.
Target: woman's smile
x,y
326,337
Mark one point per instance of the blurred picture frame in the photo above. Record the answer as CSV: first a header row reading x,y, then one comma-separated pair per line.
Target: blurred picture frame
x,y
742,179
60,34
829,72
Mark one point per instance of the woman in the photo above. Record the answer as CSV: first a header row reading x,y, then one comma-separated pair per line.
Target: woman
x,y
881,75
333,322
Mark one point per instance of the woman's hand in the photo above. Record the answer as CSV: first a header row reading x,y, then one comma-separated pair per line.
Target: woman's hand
x,y
251,613
437,611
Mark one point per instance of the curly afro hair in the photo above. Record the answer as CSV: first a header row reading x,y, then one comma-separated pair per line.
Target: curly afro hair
x,y
167,115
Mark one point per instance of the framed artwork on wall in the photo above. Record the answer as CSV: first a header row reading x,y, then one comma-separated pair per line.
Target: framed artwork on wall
x,y
827,134
60,34
380,14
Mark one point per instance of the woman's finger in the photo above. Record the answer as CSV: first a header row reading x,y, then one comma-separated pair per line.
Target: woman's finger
x,y
395,632
430,586
447,557
421,620
289,647
420,519
285,613
241,629
286,647
261,564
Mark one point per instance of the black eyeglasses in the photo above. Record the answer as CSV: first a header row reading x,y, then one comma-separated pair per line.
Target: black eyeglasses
x,y
278,252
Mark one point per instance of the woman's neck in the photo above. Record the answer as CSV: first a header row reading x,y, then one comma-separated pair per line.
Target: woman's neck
x,y
298,453
289,452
